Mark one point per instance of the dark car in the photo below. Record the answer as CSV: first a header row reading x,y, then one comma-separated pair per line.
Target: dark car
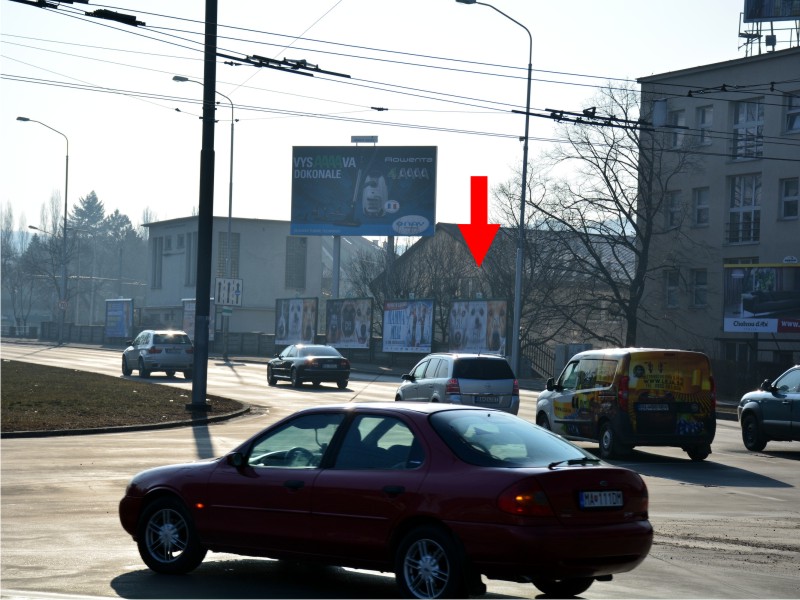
x,y
772,412
475,379
167,350
438,494
309,362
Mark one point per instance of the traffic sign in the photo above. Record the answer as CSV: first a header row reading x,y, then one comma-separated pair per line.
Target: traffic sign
x,y
228,292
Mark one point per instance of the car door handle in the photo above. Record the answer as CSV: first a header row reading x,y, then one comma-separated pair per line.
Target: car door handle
x,y
294,484
394,490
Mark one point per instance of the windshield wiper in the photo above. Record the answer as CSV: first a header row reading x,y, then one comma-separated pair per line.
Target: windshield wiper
x,y
574,461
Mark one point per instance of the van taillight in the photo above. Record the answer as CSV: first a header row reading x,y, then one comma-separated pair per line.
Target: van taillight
x,y
452,387
153,350
515,391
713,394
622,392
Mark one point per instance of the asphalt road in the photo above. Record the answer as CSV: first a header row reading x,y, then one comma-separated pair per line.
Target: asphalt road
x,y
725,528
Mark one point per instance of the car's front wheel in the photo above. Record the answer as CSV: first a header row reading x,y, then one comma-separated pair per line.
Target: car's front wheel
x,y
543,422
428,565
271,379
563,588
167,539
143,372
752,435
126,370
170,373
341,384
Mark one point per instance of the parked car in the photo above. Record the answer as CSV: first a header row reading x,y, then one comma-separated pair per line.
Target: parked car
x,y
309,362
167,350
772,412
436,493
626,397
473,379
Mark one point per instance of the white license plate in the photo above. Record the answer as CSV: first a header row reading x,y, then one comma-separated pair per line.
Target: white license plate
x,y
329,366
487,399
603,499
652,407
173,351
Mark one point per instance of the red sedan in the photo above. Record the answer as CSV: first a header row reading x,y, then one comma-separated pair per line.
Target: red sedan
x,y
438,494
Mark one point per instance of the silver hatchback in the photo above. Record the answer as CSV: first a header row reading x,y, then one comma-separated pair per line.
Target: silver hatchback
x,y
167,350
484,380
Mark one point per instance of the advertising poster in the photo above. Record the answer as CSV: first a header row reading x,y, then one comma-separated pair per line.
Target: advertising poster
x,y
762,298
408,326
189,313
358,190
349,322
295,321
479,326
119,319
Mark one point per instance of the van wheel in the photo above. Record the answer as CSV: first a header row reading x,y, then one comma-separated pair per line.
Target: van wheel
x,y
699,453
608,441
543,422
752,436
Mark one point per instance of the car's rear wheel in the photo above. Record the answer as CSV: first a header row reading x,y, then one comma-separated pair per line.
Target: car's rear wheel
x,y
143,372
170,373
341,384
271,379
167,539
126,370
752,436
698,453
428,565
563,588
543,422
188,374
316,382
296,380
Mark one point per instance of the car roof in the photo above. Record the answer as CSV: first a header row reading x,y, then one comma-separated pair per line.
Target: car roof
x,y
467,355
396,407
620,352
167,331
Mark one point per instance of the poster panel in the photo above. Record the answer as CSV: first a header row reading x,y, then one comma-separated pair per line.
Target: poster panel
x,y
295,320
408,326
189,314
349,322
119,318
478,326
358,190
770,10
761,298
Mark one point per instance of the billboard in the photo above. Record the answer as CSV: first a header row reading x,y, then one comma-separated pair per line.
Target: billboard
x,y
478,326
771,10
119,319
408,326
358,190
762,298
189,314
349,322
295,320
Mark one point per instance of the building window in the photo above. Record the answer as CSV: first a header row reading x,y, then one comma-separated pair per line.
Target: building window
x,y
705,120
748,128
190,262
671,281
700,207
738,352
296,251
699,287
179,243
790,198
745,209
222,255
158,259
674,212
676,120
167,243
793,112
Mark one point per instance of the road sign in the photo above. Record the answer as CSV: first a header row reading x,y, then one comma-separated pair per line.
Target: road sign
x,y
228,292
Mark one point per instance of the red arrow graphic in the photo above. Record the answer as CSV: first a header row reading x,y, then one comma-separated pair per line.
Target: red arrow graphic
x,y
479,234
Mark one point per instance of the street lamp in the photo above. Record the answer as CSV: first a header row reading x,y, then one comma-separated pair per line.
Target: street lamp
x,y
515,358
62,303
228,265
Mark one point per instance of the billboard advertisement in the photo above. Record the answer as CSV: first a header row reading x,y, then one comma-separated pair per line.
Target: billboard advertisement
x,y
478,326
189,314
771,10
359,190
349,322
762,298
408,326
295,321
119,319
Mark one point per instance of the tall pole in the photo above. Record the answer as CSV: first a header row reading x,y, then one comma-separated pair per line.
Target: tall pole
x,y
515,333
62,304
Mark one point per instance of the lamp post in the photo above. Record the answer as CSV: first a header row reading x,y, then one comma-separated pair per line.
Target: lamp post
x,y
515,333
62,303
228,264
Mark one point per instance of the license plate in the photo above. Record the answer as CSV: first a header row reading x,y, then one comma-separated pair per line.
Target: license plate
x,y
652,407
487,399
173,351
328,366
603,499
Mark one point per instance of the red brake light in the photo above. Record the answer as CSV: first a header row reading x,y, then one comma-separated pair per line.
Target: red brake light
x,y
515,391
525,498
153,350
344,364
622,392
452,387
190,350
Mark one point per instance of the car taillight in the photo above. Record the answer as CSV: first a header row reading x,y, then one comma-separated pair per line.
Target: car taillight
x,y
452,387
525,498
190,350
622,392
639,505
515,391
713,394
344,363
312,362
153,350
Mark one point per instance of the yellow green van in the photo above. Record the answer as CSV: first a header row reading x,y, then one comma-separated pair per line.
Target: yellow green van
x,y
626,397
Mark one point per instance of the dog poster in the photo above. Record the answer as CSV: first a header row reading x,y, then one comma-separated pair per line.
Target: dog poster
x,y
478,326
408,326
295,321
349,322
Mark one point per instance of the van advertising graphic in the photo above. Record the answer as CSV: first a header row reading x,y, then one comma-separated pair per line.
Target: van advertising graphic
x,y
295,320
478,326
408,326
349,322
762,298
359,190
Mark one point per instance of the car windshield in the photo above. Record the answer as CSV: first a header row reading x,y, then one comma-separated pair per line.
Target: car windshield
x,y
497,439
319,351
482,368
171,338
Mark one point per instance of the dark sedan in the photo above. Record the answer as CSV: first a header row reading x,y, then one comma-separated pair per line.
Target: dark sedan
x,y
772,412
309,362
438,494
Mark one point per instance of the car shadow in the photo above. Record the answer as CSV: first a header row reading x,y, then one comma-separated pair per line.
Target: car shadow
x,y
308,387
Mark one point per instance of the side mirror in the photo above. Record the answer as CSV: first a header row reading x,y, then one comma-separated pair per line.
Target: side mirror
x,y
407,377
129,342
236,460
551,384
766,386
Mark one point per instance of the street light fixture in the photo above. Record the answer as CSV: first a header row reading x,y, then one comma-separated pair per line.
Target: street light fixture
x,y
515,357
62,303
228,265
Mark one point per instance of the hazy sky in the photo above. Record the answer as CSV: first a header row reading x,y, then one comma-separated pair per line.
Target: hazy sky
x,y
448,73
